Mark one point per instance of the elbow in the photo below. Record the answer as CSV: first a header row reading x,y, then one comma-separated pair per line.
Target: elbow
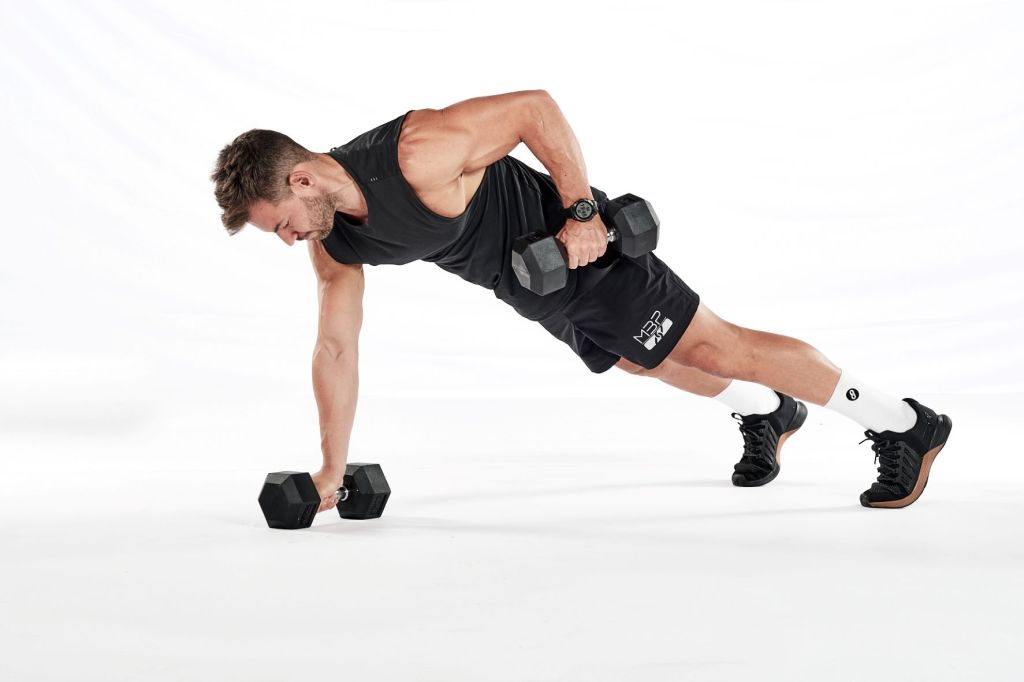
x,y
543,96
542,103
540,110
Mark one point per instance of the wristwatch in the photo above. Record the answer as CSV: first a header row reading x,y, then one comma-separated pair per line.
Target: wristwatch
x,y
582,210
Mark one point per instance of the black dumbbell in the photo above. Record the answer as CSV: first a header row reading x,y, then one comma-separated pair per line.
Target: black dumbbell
x,y
289,498
541,263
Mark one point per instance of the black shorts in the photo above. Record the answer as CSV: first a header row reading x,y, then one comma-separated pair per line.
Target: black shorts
x,y
638,309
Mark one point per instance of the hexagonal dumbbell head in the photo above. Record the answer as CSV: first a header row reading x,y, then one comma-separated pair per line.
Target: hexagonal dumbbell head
x,y
636,222
289,499
368,492
539,262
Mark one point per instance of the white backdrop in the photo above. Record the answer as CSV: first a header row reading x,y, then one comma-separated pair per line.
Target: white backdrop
x,y
847,173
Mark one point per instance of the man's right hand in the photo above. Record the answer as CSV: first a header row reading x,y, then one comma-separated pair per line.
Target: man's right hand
x,y
327,483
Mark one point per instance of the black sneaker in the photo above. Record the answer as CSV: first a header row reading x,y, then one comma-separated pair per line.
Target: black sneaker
x,y
904,459
763,436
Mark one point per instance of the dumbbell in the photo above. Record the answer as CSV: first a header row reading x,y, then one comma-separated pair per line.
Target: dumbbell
x,y
541,262
289,498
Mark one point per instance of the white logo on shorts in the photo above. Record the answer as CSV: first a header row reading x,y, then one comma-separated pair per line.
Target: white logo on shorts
x,y
653,330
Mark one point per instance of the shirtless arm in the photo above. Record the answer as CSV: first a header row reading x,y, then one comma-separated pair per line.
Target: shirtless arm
x,y
335,364
474,133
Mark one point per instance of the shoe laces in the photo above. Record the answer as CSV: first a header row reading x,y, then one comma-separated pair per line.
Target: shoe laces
x,y
753,437
887,456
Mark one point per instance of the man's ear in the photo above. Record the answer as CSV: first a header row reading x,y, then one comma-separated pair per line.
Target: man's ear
x,y
301,182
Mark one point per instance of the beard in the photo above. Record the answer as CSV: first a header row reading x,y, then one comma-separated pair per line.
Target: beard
x,y
320,212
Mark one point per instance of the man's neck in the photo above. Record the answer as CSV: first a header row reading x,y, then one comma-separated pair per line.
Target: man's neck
x,y
348,197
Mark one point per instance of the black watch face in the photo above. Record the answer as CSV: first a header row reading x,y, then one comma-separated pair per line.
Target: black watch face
x,y
583,210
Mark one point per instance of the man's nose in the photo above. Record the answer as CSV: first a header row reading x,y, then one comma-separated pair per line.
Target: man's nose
x,y
287,236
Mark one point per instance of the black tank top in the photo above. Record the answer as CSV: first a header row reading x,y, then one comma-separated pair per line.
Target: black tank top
x,y
512,199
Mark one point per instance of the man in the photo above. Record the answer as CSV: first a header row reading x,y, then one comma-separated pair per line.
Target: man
x,y
437,185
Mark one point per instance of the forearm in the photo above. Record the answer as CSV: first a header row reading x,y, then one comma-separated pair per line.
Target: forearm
x,y
554,144
336,388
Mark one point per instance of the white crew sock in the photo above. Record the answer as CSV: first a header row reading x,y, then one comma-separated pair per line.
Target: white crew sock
x,y
870,407
746,398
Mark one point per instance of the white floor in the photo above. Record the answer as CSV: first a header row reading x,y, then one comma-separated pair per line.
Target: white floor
x,y
511,549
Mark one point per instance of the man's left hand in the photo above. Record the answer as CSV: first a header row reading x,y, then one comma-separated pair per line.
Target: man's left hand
x,y
584,242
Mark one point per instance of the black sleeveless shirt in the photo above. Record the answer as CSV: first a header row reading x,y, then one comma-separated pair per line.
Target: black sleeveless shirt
x,y
512,199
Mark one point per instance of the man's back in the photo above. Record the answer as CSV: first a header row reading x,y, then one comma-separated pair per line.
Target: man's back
x,y
414,212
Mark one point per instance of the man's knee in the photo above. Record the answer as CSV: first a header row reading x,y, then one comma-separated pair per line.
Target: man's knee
x,y
723,353
712,345
708,358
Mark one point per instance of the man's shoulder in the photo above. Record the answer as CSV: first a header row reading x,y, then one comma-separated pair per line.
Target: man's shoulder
x,y
327,268
421,145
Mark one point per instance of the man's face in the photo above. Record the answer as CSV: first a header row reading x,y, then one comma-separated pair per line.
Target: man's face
x,y
295,218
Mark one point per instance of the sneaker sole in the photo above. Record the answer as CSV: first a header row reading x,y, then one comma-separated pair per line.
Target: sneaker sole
x,y
941,436
798,420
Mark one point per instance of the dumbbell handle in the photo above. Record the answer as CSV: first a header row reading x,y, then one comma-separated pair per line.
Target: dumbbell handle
x,y
341,494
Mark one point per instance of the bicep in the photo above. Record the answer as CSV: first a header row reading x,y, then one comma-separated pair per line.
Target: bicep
x,y
474,133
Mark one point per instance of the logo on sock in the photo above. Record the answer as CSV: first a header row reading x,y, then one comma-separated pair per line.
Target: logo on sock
x,y
852,394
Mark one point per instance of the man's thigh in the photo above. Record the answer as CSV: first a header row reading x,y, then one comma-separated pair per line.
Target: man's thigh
x,y
638,311
593,356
